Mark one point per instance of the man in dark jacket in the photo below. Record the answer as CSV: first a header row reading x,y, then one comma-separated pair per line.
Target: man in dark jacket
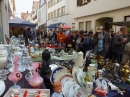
x,y
101,41
87,43
118,44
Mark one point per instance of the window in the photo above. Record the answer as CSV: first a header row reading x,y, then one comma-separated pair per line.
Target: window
x,y
63,10
73,26
58,12
58,0
55,1
49,16
52,15
127,18
81,25
55,14
49,4
82,2
88,25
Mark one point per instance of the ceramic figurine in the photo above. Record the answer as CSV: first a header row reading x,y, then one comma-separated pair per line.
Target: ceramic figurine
x,y
36,80
3,61
57,87
45,70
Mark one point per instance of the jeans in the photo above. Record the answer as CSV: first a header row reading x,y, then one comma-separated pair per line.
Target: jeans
x,y
117,56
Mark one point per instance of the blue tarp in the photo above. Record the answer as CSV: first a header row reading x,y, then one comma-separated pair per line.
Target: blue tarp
x,y
52,26
21,22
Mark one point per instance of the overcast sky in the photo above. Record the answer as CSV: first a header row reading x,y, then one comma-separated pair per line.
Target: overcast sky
x,y
23,6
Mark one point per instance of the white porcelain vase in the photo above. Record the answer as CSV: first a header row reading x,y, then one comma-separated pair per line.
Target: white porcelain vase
x,y
3,61
79,60
91,72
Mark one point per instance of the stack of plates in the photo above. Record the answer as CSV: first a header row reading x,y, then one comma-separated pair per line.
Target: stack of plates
x,y
2,87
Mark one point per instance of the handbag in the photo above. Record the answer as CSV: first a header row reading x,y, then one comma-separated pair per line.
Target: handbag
x,y
69,45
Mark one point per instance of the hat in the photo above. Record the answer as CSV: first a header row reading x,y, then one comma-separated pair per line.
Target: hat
x,y
84,34
99,28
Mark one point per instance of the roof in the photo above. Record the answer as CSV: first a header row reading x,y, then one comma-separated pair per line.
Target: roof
x,y
122,23
24,15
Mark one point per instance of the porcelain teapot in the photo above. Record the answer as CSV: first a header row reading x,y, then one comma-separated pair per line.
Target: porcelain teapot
x,y
3,61
3,50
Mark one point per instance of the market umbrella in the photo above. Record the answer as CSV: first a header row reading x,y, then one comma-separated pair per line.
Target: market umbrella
x,y
21,22
65,27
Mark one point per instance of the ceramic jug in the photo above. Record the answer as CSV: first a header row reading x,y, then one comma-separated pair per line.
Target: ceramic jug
x,y
3,50
79,59
3,61
36,80
92,72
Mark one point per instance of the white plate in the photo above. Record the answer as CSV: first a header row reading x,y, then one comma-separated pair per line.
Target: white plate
x,y
73,89
81,92
64,77
74,70
67,83
79,74
2,87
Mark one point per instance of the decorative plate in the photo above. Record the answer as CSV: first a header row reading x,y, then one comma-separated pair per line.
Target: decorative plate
x,y
73,89
66,84
2,87
64,77
81,92
53,72
74,70
60,74
82,77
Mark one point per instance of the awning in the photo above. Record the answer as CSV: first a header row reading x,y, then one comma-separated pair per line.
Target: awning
x,y
123,23
52,26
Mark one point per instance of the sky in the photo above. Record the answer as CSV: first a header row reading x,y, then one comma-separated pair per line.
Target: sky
x,y
23,6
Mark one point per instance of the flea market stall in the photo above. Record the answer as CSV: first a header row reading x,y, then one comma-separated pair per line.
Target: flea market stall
x,y
69,76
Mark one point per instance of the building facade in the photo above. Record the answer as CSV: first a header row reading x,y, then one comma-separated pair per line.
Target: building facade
x,y
42,14
90,13
12,9
34,13
4,17
59,12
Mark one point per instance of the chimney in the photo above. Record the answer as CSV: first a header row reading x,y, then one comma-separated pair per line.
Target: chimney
x,y
27,12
